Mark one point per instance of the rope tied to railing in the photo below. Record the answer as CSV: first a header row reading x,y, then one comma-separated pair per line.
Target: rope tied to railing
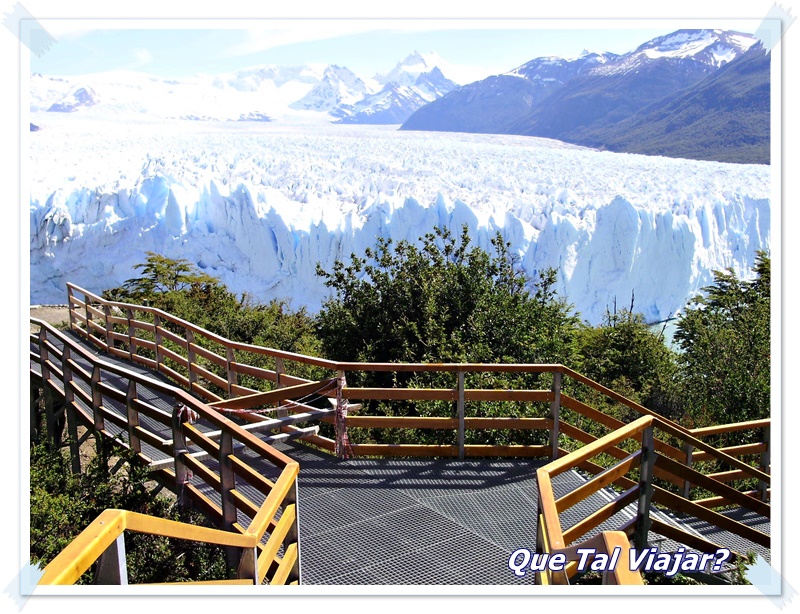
x,y
342,449
312,396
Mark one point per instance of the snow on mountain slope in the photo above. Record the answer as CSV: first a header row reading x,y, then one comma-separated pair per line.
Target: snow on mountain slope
x,y
259,206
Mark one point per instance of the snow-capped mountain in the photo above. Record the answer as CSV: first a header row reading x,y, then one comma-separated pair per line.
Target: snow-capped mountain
x,y
77,99
410,85
338,86
575,100
553,71
709,48
490,105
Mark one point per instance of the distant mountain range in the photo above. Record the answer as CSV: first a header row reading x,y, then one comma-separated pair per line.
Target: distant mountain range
x,y
700,94
256,94
694,93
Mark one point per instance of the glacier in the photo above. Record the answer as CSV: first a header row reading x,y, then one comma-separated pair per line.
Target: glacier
x,y
258,205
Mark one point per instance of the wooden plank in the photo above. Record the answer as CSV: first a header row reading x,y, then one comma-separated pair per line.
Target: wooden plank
x,y
547,506
149,437
147,362
175,338
251,476
118,320
152,412
174,375
288,517
211,377
679,504
590,450
274,500
713,502
596,518
409,422
198,438
277,395
207,354
742,450
720,454
174,356
729,476
140,325
585,437
111,392
144,343
400,394
424,367
730,428
530,396
590,412
243,504
238,390
285,568
506,423
682,537
601,480
257,372
718,488
202,470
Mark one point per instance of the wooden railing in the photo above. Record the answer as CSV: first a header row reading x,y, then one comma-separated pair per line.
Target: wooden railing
x,y
646,464
200,360
683,465
114,403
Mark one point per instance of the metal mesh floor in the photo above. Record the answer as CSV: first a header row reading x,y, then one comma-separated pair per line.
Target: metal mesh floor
x,y
413,521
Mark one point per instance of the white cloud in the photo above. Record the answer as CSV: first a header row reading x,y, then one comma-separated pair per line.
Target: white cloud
x,y
142,57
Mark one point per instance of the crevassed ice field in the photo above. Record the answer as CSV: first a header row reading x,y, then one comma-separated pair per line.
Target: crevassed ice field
x,y
259,205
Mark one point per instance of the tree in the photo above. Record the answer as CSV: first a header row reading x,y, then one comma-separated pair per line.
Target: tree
x,y
724,336
623,354
161,275
441,301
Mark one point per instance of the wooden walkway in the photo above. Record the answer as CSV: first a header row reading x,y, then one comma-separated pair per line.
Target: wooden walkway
x,y
368,520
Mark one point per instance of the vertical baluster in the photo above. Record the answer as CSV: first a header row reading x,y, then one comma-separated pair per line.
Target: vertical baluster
x,y
555,410
460,411
765,464
645,489
689,450
69,408
232,380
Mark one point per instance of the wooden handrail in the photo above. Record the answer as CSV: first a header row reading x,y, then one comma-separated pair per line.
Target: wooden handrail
x,y
93,543
74,560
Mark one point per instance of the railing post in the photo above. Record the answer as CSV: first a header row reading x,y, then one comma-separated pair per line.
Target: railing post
x,y
70,306
111,565
342,443
179,449
133,417
460,410
645,489
191,358
157,339
107,313
555,410
227,480
97,400
88,317
280,369
293,535
688,449
232,380
131,332
47,392
765,464
69,409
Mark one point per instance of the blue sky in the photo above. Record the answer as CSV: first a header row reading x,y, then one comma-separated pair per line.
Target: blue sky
x,y
481,47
